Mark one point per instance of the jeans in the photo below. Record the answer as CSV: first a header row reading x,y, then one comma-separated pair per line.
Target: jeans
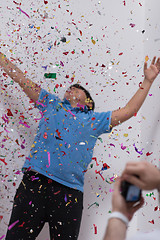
x,y
38,200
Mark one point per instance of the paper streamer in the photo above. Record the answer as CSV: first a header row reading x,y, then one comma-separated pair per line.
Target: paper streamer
x,y
49,158
12,225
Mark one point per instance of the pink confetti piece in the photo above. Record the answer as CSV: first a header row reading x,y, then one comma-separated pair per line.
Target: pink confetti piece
x,y
61,63
26,125
112,179
82,106
111,144
5,118
111,190
12,225
6,130
23,12
18,172
123,147
33,178
48,159
71,113
2,237
41,104
40,117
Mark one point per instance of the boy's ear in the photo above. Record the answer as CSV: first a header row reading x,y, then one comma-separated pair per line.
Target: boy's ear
x,y
89,103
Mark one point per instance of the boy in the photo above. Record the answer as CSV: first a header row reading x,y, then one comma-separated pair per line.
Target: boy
x,y
52,185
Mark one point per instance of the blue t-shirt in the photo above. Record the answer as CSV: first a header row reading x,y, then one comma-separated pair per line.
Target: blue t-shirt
x,y
65,139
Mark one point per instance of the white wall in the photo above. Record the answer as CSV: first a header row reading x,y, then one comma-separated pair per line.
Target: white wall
x,y
150,130
110,24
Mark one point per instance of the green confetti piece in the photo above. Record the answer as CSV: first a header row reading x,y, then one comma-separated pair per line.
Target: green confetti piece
x,y
50,75
100,139
97,204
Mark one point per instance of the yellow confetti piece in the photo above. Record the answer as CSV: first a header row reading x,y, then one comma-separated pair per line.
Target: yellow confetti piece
x,y
93,41
125,135
146,58
62,106
68,203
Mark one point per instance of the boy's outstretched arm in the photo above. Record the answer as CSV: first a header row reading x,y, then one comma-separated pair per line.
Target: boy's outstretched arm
x,y
30,88
132,107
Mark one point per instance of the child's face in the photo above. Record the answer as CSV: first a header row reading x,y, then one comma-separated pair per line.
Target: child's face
x,y
75,96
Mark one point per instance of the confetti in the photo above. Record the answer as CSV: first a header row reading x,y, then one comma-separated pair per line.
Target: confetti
x,y
149,194
41,104
23,12
146,58
48,160
36,119
95,159
98,172
148,153
2,237
25,124
132,25
71,113
12,225
123,147
105,166
152,221
50,75
3,160
63,39
136,149
95,229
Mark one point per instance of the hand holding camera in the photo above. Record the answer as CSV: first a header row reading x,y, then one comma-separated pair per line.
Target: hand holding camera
x,y
130,192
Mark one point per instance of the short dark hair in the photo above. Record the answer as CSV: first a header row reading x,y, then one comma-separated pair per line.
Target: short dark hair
x,y
87,95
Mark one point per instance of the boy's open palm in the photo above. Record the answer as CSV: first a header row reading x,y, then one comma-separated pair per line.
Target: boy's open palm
x,y
153,70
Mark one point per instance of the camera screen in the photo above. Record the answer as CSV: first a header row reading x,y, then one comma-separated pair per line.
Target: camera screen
x,y
133,193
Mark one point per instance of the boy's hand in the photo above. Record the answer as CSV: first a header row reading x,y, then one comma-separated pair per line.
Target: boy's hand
x,y
152,72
